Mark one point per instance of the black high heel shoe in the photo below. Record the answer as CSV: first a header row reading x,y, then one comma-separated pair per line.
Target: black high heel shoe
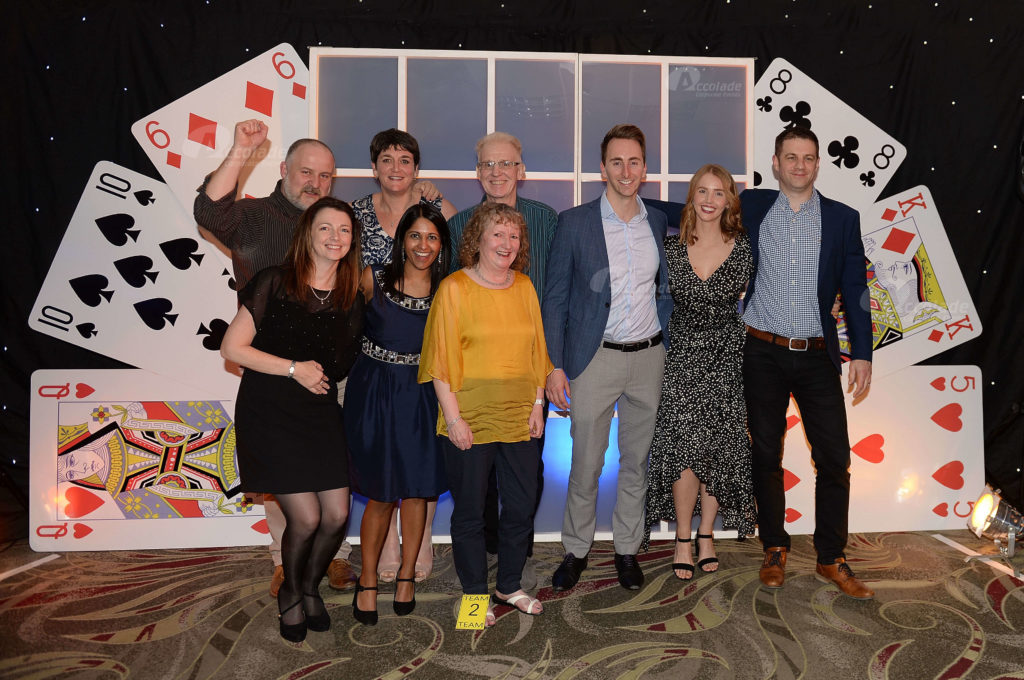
x,y
707,561
319,623
292,632
683,566
367,617
405,608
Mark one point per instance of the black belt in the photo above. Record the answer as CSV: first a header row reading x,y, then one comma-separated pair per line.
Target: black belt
x,y
795,344
634,346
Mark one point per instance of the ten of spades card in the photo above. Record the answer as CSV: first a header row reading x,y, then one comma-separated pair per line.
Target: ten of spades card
x,y
132,280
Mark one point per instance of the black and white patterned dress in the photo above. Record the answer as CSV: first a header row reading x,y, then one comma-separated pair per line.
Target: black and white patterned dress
x,y
702,417
375,243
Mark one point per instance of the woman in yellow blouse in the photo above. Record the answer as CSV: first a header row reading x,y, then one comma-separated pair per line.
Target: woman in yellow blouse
x,y
484,351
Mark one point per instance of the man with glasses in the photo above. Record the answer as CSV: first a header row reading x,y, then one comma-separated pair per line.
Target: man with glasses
x,y
500,168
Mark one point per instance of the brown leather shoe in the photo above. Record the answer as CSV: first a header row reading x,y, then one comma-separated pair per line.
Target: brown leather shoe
x,y
340,575
773,568
840,574
276,580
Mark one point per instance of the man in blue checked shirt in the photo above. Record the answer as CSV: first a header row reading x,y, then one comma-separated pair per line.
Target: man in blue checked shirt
x,y
807,248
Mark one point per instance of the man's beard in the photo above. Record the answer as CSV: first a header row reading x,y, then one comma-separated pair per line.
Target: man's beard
x,y
297,199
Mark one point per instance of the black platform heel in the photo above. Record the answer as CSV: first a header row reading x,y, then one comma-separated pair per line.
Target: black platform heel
x,y
320,623
683,566
292,632
405,608
367,617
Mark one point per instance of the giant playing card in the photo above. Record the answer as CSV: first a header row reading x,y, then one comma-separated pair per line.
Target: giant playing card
x,y
124,459
917,453
188,138
920,303
132,280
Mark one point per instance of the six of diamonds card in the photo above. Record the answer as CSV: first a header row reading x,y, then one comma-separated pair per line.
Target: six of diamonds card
x,y
188,138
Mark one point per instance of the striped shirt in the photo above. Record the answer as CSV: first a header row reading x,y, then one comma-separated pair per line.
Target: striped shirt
x,y
785,300
258,231
541,220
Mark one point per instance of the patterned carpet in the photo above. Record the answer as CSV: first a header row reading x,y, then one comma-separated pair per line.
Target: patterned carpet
x,y
206,614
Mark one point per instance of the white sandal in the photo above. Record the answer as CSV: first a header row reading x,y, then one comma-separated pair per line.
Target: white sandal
x,y
514,599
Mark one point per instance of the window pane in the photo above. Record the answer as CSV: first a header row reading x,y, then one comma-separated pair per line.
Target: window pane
x,y
350,188
347,121
534,102
461,192
557,194
677,191
620,93
707,117
447,110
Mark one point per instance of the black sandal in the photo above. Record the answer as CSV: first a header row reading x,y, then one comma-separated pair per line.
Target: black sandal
x,y
707,560
683,566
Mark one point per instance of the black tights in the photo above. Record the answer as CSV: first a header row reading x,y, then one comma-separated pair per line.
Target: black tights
x,y
314,531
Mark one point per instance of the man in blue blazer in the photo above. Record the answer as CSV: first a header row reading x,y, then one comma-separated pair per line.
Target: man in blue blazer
x,y
606,307
807,248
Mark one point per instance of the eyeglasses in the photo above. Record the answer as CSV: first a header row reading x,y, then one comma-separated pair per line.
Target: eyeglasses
x,y
504,165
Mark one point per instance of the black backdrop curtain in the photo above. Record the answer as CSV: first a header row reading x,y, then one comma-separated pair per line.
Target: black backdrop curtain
x,y
945,78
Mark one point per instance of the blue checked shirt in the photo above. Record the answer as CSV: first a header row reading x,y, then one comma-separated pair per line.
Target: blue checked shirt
x,y
785,298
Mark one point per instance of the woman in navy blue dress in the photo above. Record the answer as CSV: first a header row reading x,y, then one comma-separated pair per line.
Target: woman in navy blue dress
x,y
390,420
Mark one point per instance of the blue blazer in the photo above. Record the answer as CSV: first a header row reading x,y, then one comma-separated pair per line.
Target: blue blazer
x,y
841,268
577,290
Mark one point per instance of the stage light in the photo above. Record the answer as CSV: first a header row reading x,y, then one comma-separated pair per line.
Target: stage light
x,y
994,518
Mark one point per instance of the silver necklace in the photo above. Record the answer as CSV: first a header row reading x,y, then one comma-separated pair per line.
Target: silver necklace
x,y
321,299
508,276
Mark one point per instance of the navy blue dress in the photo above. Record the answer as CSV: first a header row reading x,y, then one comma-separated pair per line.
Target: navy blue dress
x,y
390,419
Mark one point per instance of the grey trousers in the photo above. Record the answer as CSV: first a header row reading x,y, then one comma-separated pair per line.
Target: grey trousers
x,y
633,379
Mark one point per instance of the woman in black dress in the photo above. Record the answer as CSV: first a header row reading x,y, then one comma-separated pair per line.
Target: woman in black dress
x,y
297,334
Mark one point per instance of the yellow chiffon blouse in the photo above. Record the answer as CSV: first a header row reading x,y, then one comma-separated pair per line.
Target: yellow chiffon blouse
x,y
488,345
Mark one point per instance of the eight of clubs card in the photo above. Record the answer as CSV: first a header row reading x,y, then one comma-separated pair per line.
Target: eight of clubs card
x,y
857,158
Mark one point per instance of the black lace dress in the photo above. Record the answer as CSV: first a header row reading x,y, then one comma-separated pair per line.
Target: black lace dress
x,y
289,439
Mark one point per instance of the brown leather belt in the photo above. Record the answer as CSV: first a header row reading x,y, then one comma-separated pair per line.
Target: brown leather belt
x,y
795,344
634,346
